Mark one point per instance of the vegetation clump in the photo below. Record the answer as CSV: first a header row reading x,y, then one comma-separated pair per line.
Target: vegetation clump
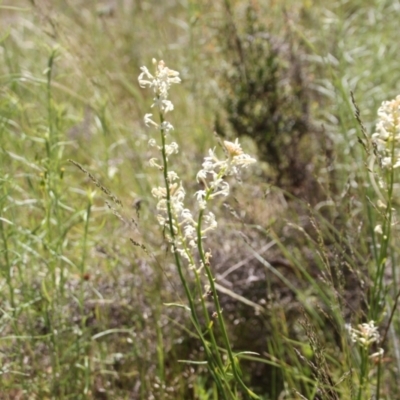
x,y
144,258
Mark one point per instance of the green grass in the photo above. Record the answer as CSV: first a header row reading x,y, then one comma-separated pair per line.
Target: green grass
x,y
85,271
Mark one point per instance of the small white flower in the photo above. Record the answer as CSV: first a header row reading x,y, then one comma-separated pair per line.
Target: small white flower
x,y
189,232
187,216
163,105
378,354
162,205
161,81
161,220
216,182
378,229
145,79
159,192
365,335
166,76
386,138
201,176
149,122
386,162
172,176
166,127
243,160
223,190
233,148
210,221
214,171
200,195
183,253
172,148
178,192
154,163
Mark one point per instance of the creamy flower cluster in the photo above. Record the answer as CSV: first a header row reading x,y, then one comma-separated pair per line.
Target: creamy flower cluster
x,y
171,209
365,335
214,171
387,136
160,82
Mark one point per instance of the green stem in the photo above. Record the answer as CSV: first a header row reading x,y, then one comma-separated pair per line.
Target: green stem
x,y
378,383
215,294
363,373
194,317
82,267
8,267
386,232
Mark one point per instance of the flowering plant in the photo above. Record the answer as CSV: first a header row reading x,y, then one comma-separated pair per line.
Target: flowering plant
x,y
386,156
185,232
386,139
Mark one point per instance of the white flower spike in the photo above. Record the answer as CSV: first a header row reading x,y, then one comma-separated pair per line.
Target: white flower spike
x,y
386,139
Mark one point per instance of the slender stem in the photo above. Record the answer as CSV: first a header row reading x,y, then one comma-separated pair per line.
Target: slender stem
x,y
218,308
363,372
82,267
171,226
215,293
8,267
202,301
214,344
378,383
386,229
188,294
